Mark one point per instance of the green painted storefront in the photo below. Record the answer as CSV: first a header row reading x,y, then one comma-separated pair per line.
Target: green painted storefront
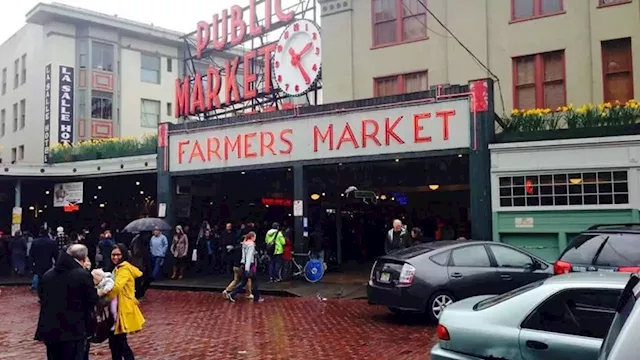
x,y
546,233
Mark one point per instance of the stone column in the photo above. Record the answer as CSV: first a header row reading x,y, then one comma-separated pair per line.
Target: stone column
x,y
300,242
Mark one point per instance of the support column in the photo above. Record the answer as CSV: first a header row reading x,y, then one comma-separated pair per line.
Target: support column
x,y
482,134
165,185
16,219
301,242
18,197
339,218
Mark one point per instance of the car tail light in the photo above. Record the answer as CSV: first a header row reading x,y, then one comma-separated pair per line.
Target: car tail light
x,y
406,275
561,267
629,269
443,333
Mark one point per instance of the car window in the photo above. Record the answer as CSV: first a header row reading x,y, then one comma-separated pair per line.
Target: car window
x,y
581,312
620,250
495,300
441,259
625,307
506,257
471,256
583,248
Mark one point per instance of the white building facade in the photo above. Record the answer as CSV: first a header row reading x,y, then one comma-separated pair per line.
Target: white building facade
x,y
107,77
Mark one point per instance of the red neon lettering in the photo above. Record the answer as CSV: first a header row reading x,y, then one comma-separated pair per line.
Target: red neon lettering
x,y
181,151
445,115
238,26
231,146
247,145
250,78
370,136
203,37
213,148
220,35
197,98
417,128
231,90
266,142
389,133
213,88
285,140
196,151
254,28
280,13
347,136
268,13
266,52
318,135
182,97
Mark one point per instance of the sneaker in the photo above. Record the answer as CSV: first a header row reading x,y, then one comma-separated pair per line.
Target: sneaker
x,y
259,300
225,294
231,299
250,296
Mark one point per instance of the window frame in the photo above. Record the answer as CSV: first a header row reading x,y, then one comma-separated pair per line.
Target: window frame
x,y
601,3
143,113
605,86
401,82
16,73
495,257
537,12
539,81
99,95
398,25
23,69
20,152
102,52
158,71
452,262
3,122
22,118
15,117
4,81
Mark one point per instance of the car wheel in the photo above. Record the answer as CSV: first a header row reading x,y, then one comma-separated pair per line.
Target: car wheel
x,y
437,303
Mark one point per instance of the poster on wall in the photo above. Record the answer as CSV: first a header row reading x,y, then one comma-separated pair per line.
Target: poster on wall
x,y
65,106
47,113
67,193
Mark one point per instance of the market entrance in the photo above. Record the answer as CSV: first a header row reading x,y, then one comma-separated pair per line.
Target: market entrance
x,y
430,193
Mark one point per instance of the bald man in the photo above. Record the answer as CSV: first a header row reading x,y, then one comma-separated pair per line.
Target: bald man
x,y
397,237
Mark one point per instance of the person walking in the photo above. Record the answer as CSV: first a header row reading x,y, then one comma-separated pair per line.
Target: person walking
x,y
66,292
105,244
248,266
128,318
18,247
158,246
180,250
61,238
397,237
235,257
275,247
44,252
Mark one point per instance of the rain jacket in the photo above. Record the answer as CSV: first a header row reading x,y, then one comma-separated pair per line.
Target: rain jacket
x,y
277,236
129,319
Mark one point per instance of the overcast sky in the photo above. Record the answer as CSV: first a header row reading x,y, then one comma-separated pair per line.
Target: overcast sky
x,y
179,15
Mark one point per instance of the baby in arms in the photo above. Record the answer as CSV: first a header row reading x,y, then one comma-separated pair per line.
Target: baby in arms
x,y
104,283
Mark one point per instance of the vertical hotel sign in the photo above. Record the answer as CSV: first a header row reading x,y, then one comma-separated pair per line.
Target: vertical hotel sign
x,y
65,105
47,113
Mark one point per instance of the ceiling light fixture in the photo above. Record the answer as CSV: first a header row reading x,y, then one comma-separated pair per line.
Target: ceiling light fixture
x,y
434,187
383,197
315,196
575,181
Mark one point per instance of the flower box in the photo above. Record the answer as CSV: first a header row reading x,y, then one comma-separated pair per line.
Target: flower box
x,y
103,149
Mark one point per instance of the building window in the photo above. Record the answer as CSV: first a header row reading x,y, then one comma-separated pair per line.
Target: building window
x,y
617,70
20,152
4,81
102,56
15,117
150,69
527,9
401,84
169,109
587,188
398,21
83,53
3,122
169,65
150,113
23,115
612,2
16,73
14,155
82,104
539,81
101,105
23,69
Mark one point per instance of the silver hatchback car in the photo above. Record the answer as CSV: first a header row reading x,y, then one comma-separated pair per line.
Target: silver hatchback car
x,y
623,340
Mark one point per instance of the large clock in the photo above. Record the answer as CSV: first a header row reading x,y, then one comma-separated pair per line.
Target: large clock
x,y
298,58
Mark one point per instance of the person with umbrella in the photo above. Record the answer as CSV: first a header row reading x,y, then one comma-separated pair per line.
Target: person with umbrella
x,y
158,246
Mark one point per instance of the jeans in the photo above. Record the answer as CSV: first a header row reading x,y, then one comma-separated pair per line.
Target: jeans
x,y
34,282
274,266
157,262
238,274
66,350
19,262
119,347
253,286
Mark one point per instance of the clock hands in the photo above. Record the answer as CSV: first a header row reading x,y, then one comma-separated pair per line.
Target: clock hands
x,y
305,49
295,61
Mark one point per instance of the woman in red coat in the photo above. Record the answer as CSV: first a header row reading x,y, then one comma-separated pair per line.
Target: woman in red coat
x,y
287,255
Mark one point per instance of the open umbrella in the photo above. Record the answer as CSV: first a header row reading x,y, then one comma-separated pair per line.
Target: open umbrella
x,y
147,224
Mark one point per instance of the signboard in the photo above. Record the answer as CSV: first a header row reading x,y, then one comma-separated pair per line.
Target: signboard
x,y
298,208
427,127
526,223
67,193
65,105
47,113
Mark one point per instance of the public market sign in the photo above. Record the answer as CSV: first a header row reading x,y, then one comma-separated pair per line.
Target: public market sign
x,y
427,127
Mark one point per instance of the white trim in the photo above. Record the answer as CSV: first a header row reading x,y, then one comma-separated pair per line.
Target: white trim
x,y
116,166
563,208
526,171
609,141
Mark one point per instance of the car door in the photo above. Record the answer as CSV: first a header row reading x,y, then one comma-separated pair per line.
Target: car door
x,y
570,325
515,268
470,272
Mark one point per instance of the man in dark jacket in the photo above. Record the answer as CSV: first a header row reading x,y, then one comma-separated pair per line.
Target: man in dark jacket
x,y
44,251
67,297
397,237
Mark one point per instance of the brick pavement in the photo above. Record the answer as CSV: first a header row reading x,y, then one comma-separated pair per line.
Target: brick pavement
x,y
202,325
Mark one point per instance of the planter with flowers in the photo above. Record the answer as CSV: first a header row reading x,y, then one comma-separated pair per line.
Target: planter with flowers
x,y
103,149
589,120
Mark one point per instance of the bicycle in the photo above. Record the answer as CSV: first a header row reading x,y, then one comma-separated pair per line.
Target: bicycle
x,y
313,269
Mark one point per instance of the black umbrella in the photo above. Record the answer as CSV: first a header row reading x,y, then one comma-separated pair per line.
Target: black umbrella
x,y
147,224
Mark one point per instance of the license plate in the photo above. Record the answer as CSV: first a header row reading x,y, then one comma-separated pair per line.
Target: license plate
x,y
384,277
579,268
606,270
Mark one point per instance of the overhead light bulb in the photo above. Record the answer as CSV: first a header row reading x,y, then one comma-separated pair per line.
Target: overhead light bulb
x,y
383,197
47,192
99,187
138,183
315,196
31,208
101,205
141,192
434,187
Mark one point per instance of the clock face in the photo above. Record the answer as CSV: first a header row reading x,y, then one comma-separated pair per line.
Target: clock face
x,y
298,57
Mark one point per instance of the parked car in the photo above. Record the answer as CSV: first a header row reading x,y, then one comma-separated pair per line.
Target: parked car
x,y
563,317
623,338
609,248
428,277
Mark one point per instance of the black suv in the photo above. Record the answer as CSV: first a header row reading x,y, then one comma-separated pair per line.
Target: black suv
x,y
609,247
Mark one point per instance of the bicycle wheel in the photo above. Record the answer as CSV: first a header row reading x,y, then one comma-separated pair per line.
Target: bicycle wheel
x,y
313,270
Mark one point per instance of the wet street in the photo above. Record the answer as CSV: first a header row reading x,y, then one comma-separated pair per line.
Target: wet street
x,y
199,325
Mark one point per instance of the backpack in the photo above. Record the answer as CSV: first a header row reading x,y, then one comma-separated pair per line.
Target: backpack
x,y
101,323
271,247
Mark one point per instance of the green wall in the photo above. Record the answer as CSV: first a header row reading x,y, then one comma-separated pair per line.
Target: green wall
x,y
552,230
